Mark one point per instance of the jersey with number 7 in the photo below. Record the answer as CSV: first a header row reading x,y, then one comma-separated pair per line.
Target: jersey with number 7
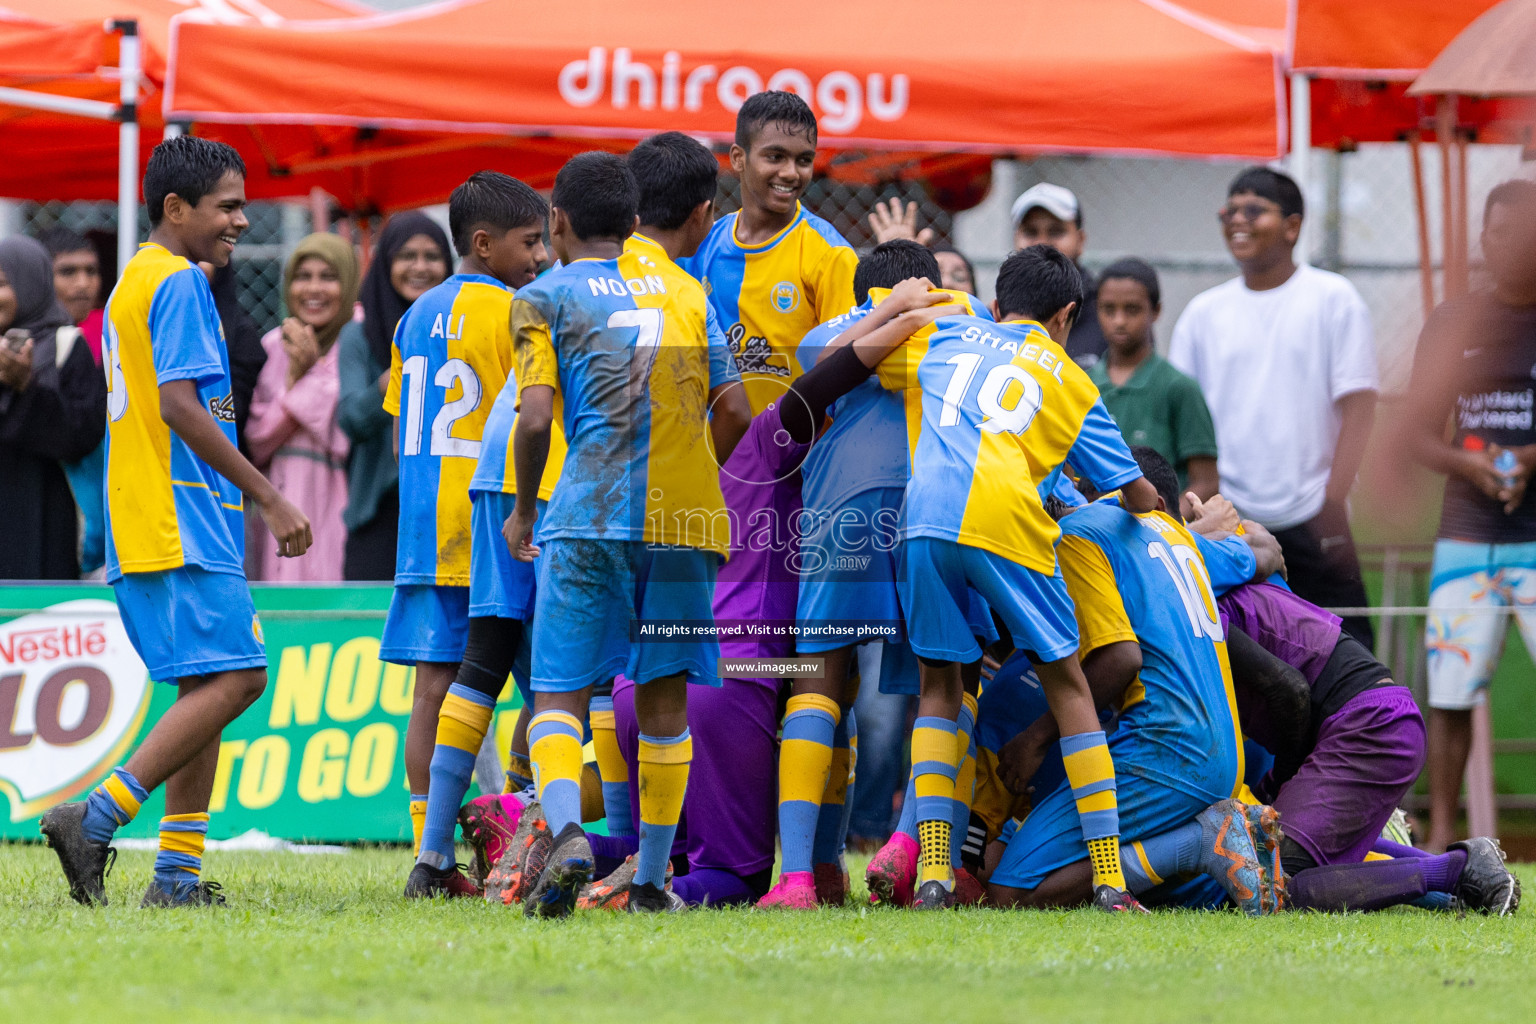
x,y
626,344
1002,408
451,357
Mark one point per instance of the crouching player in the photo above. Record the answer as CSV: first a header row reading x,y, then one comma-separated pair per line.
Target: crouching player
x,y
498,229
1153,652
1338,776
175,536
636,524
1002,408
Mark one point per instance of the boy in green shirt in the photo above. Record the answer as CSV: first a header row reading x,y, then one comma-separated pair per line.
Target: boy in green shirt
x,y
1154,404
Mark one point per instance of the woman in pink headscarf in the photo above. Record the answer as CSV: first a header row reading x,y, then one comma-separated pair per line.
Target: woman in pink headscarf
x,y
292,433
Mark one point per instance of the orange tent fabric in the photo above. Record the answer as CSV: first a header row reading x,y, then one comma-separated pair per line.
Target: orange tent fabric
x,y
62,47
1109,76
1379,40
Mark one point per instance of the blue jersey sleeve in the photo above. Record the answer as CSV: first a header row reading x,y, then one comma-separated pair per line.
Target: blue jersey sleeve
x,y
1100,453
722,364
1229,561
182,326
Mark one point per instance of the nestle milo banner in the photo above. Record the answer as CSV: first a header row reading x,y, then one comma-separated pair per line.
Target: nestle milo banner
x,y
319,756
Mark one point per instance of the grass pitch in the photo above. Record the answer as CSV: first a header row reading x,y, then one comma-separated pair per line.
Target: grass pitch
x,y
328,938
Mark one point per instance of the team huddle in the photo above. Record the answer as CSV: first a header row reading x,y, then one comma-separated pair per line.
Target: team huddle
x,y
695,453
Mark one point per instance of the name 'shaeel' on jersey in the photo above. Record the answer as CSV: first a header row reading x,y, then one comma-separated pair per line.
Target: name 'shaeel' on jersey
x,y
1002,408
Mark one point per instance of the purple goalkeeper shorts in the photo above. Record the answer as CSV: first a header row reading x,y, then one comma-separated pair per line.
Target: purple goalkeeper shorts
x,y
731,810
1368,755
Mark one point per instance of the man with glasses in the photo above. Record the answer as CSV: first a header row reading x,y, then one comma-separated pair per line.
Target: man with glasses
x,y
1285,357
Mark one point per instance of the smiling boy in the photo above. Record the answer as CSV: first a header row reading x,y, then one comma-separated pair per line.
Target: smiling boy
x,y
773,270
175,533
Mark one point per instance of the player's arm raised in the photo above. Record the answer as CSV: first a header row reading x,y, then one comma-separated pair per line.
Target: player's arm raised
x,y
183,412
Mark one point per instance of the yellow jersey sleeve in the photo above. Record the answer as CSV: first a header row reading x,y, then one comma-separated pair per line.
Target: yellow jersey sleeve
x,y
832,282
1101,617
392,393
533,353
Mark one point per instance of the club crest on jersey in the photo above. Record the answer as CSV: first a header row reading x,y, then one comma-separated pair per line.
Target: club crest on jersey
x,y
786,297
222,407
754,354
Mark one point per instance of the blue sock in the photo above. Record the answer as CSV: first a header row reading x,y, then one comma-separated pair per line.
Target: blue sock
x,y
461,728
112,805
1148,863
805,765
837,800
1443,872
906,823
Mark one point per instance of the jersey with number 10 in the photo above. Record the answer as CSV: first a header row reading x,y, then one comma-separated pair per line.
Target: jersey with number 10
x,y
625,342
1003,406
451,356
1142,579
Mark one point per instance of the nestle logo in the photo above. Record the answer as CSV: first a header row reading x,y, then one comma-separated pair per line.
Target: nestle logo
x,y
49,643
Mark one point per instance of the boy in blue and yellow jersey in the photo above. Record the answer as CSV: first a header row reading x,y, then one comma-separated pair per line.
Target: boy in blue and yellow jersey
x,y
773,269
451,356
1155,655
175,536
728,807
1002,409
637,524
853,480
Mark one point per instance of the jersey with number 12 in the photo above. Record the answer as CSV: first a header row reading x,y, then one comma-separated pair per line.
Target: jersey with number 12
x,y
451,356
1003,406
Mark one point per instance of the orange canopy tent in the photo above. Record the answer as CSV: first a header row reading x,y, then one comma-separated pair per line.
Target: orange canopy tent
x,y
1116,77
78,78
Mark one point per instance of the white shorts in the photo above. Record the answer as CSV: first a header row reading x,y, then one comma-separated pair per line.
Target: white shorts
x,y
1463,641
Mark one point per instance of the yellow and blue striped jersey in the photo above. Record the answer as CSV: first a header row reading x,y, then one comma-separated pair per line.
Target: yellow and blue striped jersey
x,y
165,506
865,444
626,345
451,357
1002,407
769,296
1141,579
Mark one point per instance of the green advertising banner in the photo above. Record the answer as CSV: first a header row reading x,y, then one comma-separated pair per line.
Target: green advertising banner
x,y
319,757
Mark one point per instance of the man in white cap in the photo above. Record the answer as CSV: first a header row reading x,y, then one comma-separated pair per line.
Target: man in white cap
x,y
1051,215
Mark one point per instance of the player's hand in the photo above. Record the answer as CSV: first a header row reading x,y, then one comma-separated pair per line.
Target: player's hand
x,y
893,219
1211,518
288,525
518,531
1019,760
301,346
989,667
16,364
1526,457
916,293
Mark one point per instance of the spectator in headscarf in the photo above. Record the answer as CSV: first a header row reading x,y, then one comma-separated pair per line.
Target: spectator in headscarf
x,y
292,433
53,409
412,257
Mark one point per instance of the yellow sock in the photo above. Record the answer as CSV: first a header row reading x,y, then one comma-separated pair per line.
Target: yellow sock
x,y
612,769
181,845
1091,774
519,773
418,822
664,763
933,785
554,745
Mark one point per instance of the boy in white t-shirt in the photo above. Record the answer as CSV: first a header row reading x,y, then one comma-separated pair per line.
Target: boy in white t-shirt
x,y
1285,357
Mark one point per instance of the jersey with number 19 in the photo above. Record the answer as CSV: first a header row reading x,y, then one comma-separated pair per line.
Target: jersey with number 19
x,y
451,356
1003,406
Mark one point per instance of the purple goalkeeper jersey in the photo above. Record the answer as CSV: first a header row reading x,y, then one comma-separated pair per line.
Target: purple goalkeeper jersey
x,y
1297,632
756,589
